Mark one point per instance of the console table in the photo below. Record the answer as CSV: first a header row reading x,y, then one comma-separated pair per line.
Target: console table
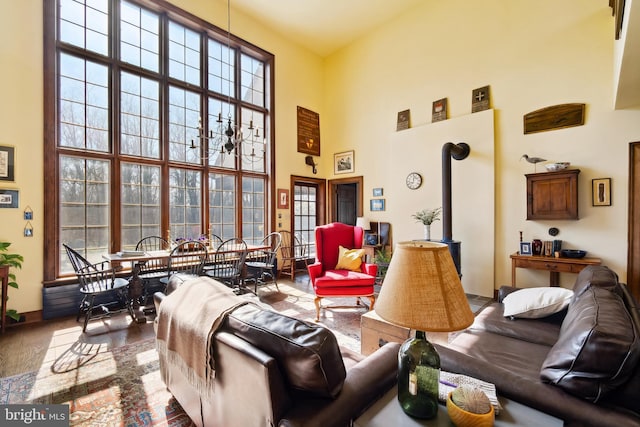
x,y
387,412
554,266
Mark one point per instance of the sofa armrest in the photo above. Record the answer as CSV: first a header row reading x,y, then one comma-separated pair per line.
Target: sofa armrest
x,y
366,382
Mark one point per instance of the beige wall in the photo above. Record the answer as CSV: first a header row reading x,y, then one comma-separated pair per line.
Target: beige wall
x,y
533,53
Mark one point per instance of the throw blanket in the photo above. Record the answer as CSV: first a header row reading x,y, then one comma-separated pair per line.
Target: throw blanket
x,y
187,321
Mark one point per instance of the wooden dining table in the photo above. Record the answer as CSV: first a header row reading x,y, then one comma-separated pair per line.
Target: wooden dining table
x,y
137,260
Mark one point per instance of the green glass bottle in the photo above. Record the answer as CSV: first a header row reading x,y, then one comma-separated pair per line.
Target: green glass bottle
x,y
418,377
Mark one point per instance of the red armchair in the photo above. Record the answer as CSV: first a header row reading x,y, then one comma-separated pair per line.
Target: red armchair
x,y
329,282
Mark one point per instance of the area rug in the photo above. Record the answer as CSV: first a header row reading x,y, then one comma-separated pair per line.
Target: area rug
x,y
122,386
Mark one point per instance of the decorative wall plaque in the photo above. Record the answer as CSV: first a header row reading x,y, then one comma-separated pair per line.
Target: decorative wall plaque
x,y
403,120
439,110
554,117
480,99
308,132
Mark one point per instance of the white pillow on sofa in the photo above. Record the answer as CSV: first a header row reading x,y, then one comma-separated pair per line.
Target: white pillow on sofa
x,y
534,303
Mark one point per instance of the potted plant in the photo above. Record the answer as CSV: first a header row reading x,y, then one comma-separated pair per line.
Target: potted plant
x,y
427,217
8,260
470,407
382,260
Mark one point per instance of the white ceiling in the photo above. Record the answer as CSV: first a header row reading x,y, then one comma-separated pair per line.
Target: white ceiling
x,y
323,26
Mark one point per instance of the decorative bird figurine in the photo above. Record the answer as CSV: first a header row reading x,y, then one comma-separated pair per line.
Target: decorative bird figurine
x,y
534,160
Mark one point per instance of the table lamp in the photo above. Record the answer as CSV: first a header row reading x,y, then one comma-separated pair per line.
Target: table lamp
x,y
422,291
363,223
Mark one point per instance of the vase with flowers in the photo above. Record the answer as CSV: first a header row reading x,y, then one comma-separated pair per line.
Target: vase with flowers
x,y
427,217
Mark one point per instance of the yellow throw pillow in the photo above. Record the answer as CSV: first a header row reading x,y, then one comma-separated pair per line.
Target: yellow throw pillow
x,y
349,259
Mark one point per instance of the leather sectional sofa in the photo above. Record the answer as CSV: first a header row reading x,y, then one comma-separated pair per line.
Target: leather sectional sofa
x,y
579,365
274,370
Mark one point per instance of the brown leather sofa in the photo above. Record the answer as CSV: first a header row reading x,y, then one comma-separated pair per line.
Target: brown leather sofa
x,y
579,365
274,370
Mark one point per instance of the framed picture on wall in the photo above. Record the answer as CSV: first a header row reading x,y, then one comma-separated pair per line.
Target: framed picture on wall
x,y
283,198
344,162
7,163
377,192
376,205
601,192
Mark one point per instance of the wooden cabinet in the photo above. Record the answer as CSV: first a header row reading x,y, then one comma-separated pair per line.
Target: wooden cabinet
x,y
553,195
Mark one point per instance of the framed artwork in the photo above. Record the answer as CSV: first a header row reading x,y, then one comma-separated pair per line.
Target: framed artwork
x,y
370,239
439,110
9,198
344,162
601,192
525,248
376,205
377,192
7,163
283,198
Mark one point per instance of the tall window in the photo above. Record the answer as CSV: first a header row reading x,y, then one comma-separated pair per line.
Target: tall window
x,y
140,92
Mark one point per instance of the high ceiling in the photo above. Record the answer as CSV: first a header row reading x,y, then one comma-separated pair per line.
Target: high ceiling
x,y
323,26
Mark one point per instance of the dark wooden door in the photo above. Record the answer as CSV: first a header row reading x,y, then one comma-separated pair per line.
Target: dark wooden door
x,y
633,255
346,203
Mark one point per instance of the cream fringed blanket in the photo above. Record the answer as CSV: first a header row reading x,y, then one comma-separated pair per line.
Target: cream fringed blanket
x,y
187,320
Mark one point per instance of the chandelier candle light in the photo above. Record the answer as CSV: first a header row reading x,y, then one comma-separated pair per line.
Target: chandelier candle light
x,y
422,291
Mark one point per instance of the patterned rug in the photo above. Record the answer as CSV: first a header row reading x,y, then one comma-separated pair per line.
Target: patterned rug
x,y
122,386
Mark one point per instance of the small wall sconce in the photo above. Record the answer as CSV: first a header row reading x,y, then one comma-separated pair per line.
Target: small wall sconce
x,y
309,161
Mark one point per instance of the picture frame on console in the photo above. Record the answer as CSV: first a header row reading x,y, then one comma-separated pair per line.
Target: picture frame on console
x,y
525,248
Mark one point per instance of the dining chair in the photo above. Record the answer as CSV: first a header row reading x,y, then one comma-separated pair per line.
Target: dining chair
x,y
96,280
261,264
227,263
151,271
292,251
186,261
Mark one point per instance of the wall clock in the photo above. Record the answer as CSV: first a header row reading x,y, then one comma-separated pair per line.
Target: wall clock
x,y
414,180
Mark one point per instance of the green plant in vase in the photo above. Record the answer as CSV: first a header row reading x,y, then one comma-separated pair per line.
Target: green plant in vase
x,y
13,261
427,217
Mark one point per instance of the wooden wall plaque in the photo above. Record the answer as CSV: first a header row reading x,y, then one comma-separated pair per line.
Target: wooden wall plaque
x,y
554,117
308,132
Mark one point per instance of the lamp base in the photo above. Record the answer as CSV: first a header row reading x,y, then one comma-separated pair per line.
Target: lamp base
x,y
418,377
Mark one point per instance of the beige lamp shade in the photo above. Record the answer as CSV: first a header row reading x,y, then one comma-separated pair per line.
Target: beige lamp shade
x,y
363,223
422,290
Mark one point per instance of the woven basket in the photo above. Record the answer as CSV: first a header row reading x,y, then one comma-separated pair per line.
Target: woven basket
x,y
462,418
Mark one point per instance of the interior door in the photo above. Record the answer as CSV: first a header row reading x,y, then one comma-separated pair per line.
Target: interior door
x,y
346,200
346,203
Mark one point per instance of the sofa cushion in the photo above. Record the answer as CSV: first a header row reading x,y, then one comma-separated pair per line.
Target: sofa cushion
x,y
598,346
349,259
308,354
534,303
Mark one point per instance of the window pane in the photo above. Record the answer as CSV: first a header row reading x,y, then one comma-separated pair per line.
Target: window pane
x,y
84,207
222,202
139,36
85,24
184,198
253,209
140,206
252,81
221,62
184,116
84,104
139,116
253,141
184,54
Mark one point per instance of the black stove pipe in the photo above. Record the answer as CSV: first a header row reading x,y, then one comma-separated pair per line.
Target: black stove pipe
x,y
458,151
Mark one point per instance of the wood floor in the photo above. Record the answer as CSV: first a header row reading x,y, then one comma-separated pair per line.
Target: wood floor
x,y
27,348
